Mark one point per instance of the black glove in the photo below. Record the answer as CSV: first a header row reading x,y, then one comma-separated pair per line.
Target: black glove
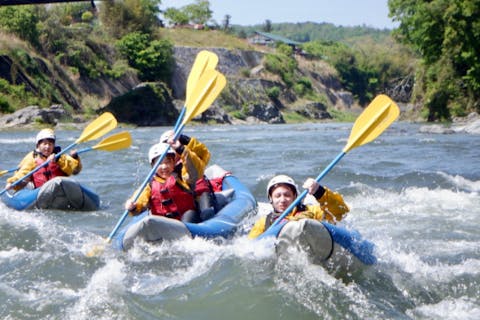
x,y
319,193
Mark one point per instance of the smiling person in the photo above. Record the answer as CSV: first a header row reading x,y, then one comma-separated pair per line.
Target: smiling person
x,y
282,191
170,193
45,150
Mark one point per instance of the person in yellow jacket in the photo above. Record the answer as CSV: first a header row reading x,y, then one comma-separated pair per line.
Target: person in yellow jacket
x,y
282,191
45,150
171,191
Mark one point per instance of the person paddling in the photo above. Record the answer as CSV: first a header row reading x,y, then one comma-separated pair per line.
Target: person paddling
x,y
170,193
204,190
282,191
45,150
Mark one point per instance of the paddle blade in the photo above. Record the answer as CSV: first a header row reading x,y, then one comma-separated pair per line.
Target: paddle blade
x,y
96,250
118,141
208,87
205,60
98,128
379,114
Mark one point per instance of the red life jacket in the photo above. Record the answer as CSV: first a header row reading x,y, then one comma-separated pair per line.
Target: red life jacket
x,y
50,171
170,199
208,185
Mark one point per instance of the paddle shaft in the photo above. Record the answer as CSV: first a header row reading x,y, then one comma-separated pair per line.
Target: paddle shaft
x,y
8,171
208,87
39,167
304,193
379,114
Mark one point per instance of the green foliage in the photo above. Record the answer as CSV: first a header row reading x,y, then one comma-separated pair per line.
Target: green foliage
x,y
196,13
284,49
122,17
176,16
245,72
21,21
282,65
446,35
199,12
365,69
303,86
311,31
238,114
273,92
15,97
87,16
152,58
294,117
342,116
5,105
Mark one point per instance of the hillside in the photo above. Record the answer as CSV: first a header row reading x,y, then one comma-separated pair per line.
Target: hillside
x,y
90,75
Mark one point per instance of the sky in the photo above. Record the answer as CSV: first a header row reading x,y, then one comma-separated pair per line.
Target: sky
x,y
372,13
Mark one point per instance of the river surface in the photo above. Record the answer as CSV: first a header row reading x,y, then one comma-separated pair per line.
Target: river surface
x,y
414,195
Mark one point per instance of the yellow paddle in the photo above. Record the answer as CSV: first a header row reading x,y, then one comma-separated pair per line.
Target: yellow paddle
x,y
208,87
118,141
379,114
7,171
99,127
205,60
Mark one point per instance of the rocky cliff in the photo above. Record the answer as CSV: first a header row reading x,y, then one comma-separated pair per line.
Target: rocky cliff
x,y
245,99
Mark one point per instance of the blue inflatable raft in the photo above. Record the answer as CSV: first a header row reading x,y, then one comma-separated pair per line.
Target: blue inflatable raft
x,y
326,244
238,202
60,193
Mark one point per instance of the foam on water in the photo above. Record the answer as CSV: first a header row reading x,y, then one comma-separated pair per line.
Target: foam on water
x,y
102,297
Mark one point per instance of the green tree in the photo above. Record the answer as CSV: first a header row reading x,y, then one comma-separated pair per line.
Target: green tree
x,y
446,35
123,17
199,12
267,27
22,21
152,58
175,16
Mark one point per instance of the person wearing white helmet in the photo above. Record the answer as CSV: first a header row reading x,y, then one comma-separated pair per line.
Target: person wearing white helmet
x,y
45,149
170,194
282,191
204,188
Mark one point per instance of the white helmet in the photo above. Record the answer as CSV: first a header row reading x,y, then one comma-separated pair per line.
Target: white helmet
x,y
165,136
45,134
281,179
158,149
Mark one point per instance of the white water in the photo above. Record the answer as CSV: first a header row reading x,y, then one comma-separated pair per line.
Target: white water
x,y
416,196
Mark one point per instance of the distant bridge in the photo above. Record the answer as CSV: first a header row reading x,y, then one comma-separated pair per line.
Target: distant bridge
x,y
20,2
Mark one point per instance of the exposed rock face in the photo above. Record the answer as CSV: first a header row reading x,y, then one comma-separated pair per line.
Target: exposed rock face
x,y
469,124
315,110
34,115
247,96
148,104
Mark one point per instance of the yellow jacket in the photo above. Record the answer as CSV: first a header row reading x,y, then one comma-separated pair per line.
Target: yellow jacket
x,y
67,164
331,208
194,159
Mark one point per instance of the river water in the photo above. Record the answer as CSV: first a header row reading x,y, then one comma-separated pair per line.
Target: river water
x,y
414,195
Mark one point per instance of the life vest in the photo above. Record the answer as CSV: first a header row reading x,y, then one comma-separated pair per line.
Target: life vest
x,y
208,185
272,216
48,172
170,199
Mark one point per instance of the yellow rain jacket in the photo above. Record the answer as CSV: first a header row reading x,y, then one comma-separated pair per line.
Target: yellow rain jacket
x,y
194,159
331,208
67,164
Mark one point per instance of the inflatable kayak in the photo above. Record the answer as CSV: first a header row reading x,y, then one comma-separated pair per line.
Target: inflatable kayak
x,y
59,193
235,200
325,244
